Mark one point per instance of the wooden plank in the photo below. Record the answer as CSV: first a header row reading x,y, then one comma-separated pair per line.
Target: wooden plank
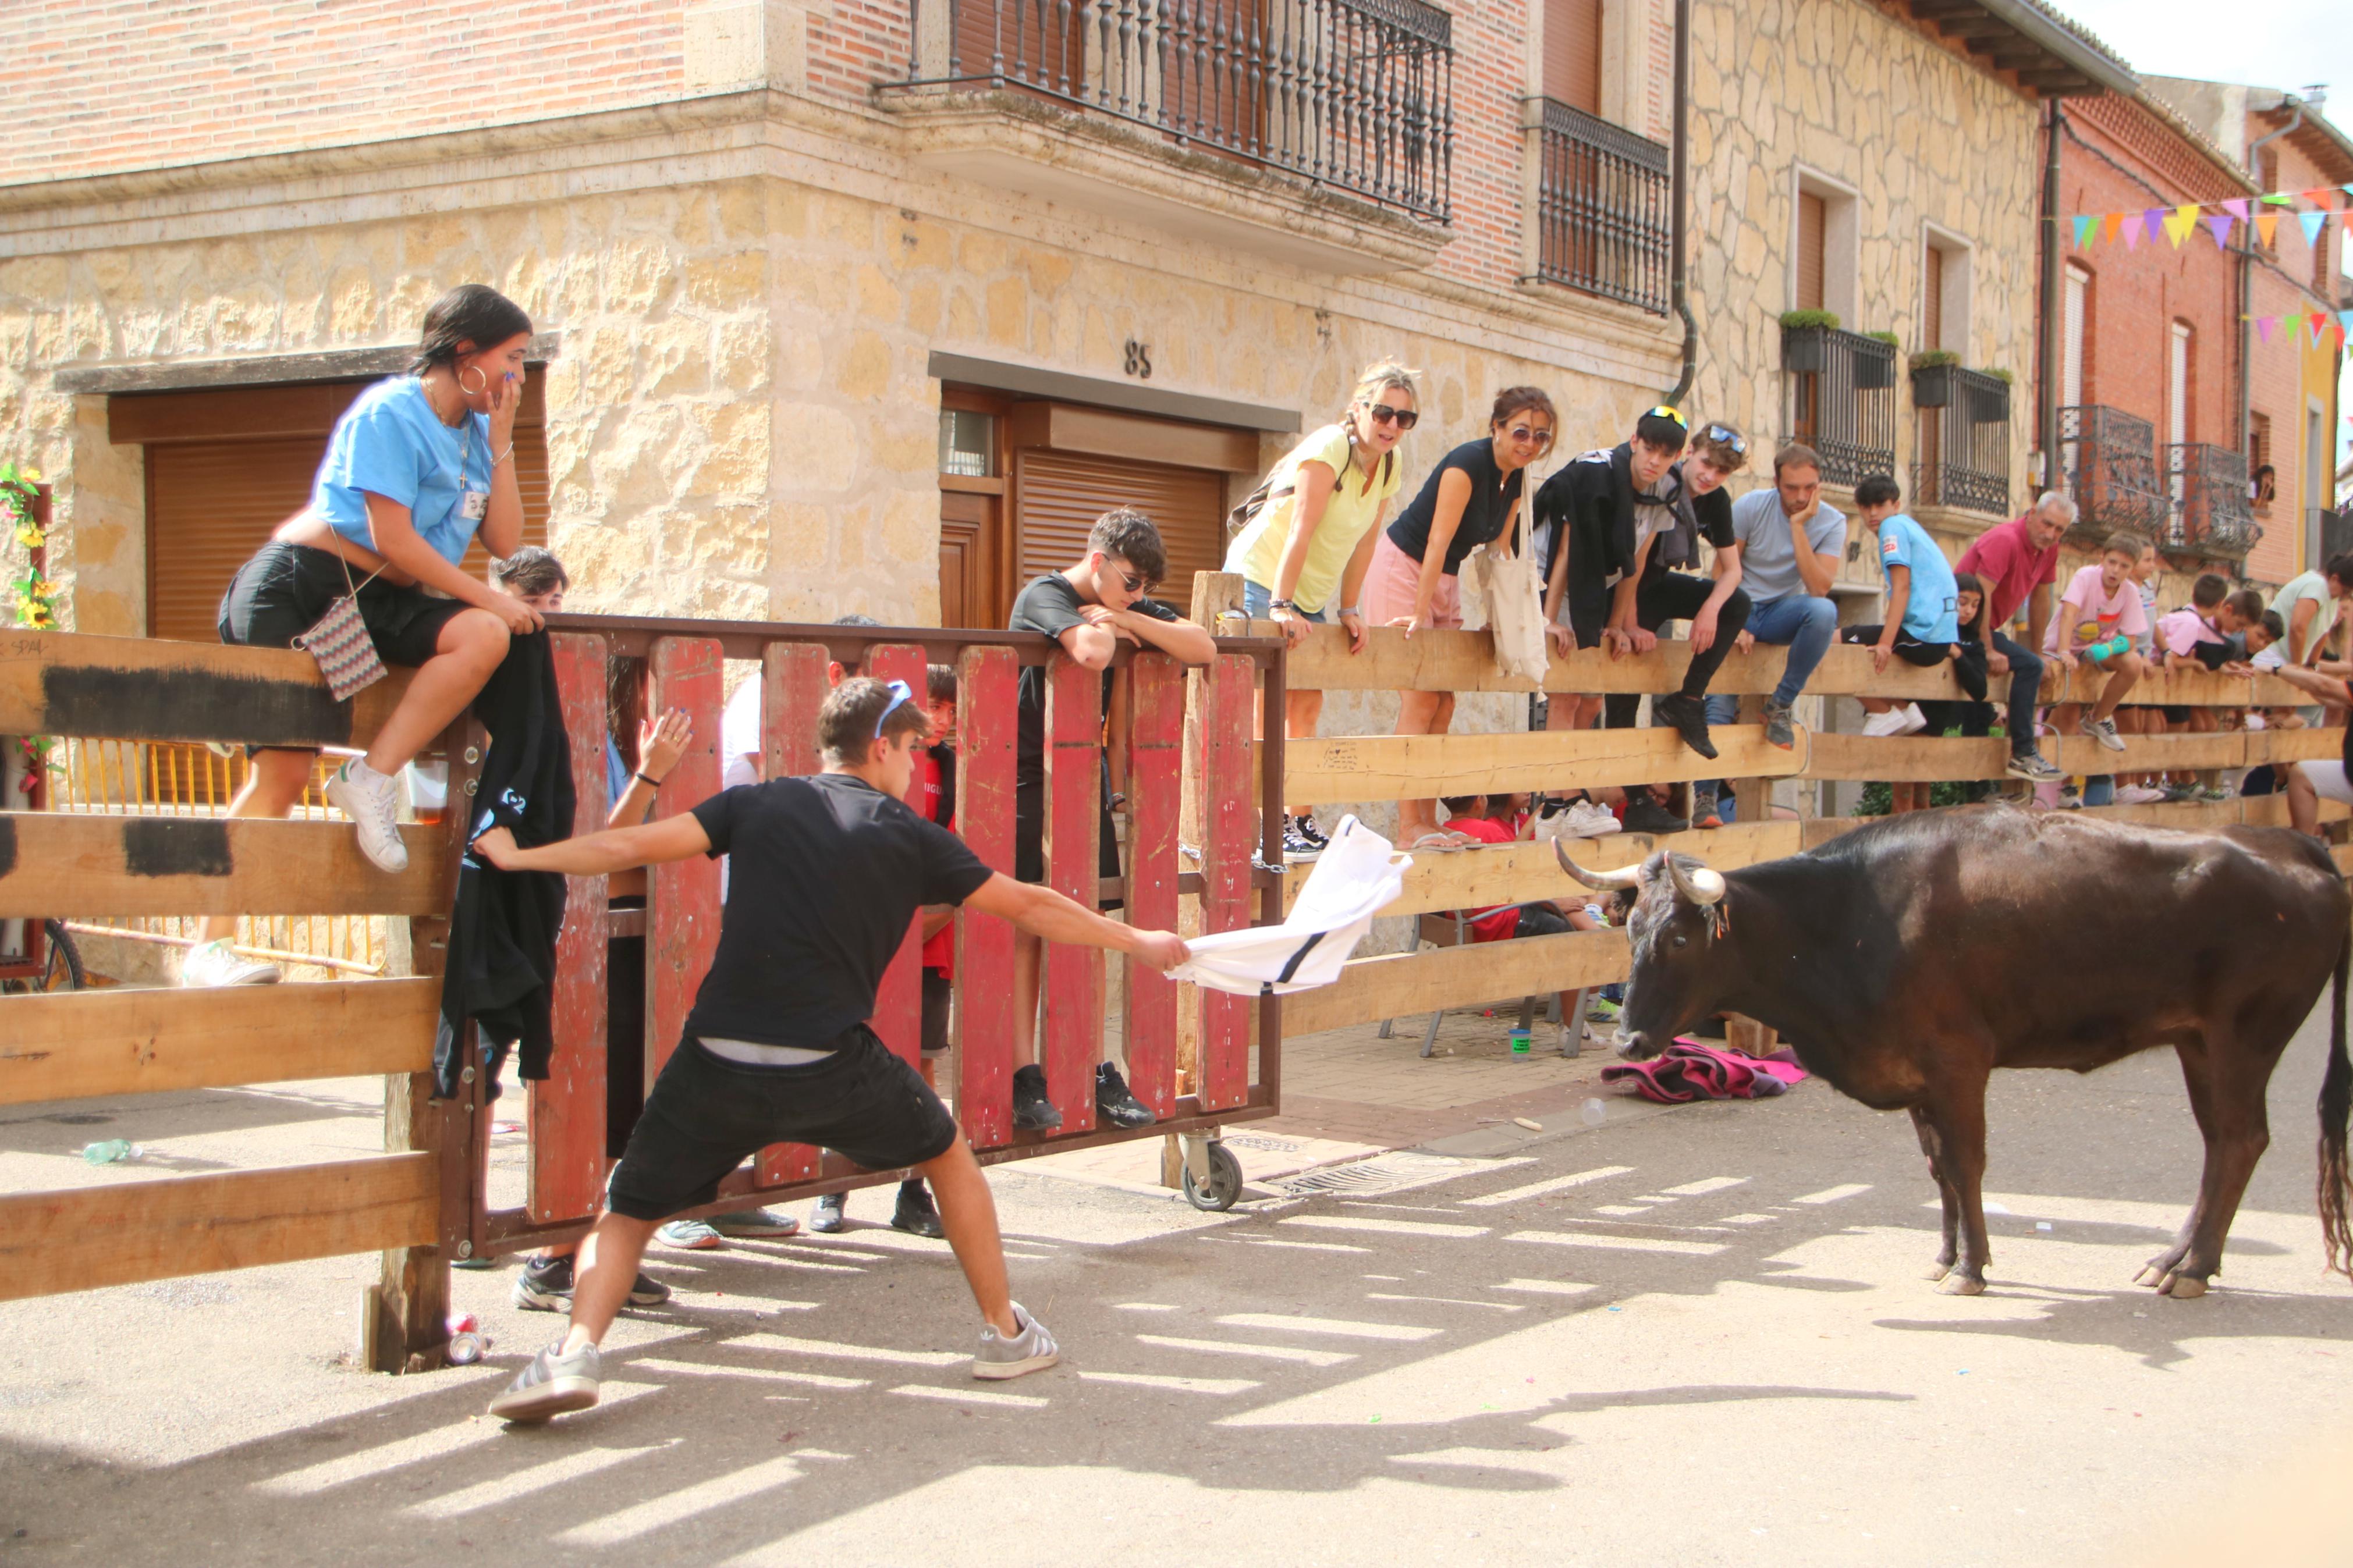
x,y
1216,606
1517,873
1230,774
566,1176
987,720
2343,855
1908,759
2270,810
134,688
2293,746
71,1044
682,897
2192,816
1399,984
1820,830
2194,688
2082,754
794,683
66,866
1396,767
899,998
119,1233
1072,978
1155,737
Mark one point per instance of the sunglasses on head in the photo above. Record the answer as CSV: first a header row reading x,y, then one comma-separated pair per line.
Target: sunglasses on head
x,y
1666,410
900,695
1403,418
1726,435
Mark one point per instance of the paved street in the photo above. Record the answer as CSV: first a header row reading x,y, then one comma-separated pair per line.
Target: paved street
x,y
1698,1336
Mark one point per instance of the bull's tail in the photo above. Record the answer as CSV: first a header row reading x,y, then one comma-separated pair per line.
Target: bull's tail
x,y
2336,1104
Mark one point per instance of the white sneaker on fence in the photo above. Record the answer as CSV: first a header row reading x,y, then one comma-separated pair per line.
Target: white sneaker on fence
x,y
2104,731
372,800
1887,726
212,963
1585,819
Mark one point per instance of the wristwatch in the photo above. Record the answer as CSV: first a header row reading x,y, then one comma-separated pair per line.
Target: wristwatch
x,y
1282,605
1356,610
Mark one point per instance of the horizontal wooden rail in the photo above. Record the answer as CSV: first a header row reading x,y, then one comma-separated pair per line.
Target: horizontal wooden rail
x,y
1515,873
119,1233
2293,746
1402,767
1399,983
72,1045
2199,816
132,689
63,865
1465,661
1928,759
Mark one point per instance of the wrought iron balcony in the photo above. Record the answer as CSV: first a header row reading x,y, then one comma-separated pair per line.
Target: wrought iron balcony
x,y
2212,516
2107,462
1964,445
1843,400
1353,94
1602,215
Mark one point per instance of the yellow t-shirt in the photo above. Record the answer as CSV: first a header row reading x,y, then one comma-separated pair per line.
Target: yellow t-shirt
x,y
1356,505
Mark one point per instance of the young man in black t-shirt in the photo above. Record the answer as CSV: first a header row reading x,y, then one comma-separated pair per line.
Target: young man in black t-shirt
x,y
1086,609
828,872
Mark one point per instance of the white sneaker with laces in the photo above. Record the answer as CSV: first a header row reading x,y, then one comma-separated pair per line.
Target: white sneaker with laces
x,y
2104,731
1585,819
1032,1350
1885,726
2139,794
212,963
371,800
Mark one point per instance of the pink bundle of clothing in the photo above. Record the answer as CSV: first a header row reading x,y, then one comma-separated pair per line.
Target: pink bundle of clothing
x,y
1688,1071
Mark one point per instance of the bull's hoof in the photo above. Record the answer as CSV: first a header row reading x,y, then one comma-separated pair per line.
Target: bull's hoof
x,y
2182,1287
2150,1274
1961,1285
1936,1271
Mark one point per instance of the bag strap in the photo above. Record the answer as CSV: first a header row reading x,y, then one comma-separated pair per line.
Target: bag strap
x,y
354,593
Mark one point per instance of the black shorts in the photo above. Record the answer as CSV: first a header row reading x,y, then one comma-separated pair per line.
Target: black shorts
x,y
936,991
707,1116
1907,648
1541,920
281,593
2175,713
1029,838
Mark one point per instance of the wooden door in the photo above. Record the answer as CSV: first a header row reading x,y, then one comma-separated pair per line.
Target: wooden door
x,y
971,546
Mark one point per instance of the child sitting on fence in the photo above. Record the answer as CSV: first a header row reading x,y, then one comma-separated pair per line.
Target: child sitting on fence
x,y
1923,626
2197,637
2098,617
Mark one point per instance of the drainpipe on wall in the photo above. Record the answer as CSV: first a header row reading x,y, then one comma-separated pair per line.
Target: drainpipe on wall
x,y
2046,328
2245,443
1678,197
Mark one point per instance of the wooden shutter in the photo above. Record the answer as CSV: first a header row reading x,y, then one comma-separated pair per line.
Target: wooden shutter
x,y
2071,362
1059,495
1811,222
1932,298
1572,53
213,502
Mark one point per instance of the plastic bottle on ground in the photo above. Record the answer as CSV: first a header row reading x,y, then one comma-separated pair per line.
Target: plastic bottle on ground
x,y
112,1152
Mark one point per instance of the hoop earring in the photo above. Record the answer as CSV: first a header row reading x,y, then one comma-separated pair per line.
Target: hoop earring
x,y
473,391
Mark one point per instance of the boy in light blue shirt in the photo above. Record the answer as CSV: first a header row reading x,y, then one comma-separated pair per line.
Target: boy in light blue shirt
x,y
1922,627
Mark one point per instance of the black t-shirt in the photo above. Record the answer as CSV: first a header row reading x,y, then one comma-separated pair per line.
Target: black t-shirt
x,y
828,874
1050,605
1495,499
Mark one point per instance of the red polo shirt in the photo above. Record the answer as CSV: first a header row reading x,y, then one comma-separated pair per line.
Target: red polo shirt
x,y
2010,566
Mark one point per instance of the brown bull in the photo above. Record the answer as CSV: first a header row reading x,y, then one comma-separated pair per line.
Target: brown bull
x,y
1906,959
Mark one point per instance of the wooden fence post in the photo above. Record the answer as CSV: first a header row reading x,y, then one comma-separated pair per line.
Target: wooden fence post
x,y
1214,593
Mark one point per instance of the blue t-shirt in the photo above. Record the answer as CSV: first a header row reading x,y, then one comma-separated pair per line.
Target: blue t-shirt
x,y
391,442
1928,615
617,775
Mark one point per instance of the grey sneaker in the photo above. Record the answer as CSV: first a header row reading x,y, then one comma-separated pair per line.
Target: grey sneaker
x,y
1032,1350
692,1235
544,1285
213,963
551,1385
371,802
1777,729
2104,731
755,1224
2212,795
2032,766
828,1217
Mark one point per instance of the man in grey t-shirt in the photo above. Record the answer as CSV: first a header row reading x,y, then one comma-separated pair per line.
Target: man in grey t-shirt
x,y
1791,544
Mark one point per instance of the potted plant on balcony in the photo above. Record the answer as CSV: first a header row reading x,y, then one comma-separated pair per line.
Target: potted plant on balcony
x,y
1805,339
1990,405
1876,373
1932,377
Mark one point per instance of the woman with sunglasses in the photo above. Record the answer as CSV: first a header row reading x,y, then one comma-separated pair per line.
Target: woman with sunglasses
x,y
1318,516
1471,497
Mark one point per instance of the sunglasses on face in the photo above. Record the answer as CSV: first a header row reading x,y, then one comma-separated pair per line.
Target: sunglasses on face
x,y
1525,434
1403,418
900,695
1725,435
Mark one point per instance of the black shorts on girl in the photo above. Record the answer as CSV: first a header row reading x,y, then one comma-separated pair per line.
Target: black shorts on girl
x,y
284,590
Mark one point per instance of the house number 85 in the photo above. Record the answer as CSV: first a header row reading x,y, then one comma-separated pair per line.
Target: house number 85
x,y
1139,360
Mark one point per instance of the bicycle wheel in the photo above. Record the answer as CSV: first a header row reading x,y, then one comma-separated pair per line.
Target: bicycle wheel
x,y
62,971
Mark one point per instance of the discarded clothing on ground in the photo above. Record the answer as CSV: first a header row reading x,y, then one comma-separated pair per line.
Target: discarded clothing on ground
x,y
1688,1071
501,955
1357,876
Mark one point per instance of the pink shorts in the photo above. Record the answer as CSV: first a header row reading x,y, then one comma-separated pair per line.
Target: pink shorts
x,y
1393,580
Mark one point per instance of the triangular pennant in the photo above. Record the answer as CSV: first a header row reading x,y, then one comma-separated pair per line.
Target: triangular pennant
x,y
2265,325
2267,228
2313,223
2345,319
2179,222
2134,229
2220,224
2237,208
2152,222
2279,199
2318,194
2084,226
2112,225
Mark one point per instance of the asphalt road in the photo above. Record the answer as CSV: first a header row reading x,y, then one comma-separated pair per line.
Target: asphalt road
x,y
1706,1342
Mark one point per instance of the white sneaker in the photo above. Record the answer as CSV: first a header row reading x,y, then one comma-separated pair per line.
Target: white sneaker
x,y
1585,819
1032,1350
1894,721
372,800
2139,794
213,963
2104,731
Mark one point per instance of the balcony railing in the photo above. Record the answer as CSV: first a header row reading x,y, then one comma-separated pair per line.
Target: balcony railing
x,y
1963,451
1846,409
2211,516
1352,94
2108,461
1602,219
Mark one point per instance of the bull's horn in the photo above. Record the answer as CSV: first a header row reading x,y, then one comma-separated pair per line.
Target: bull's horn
x,y
1599,882
1701,886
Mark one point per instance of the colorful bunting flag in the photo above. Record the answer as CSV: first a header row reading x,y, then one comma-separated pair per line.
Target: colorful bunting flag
x,y
2179,222
2267,228
2220,224
2265,325
2084,226
2153,224
2237,208
2313,223
2112,225
2133,231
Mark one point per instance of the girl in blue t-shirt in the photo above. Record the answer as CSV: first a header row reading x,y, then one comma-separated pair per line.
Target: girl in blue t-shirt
x,y
416,468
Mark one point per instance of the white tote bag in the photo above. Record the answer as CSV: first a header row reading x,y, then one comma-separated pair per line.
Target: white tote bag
x,y
1355,879
1514,611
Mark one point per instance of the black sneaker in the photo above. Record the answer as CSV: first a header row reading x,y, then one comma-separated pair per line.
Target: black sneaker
x,y
1311,833
1644,815
2031,765
915,1215
1687,716
1115,1104
1299,842
828,1217
546,1286
1032,1111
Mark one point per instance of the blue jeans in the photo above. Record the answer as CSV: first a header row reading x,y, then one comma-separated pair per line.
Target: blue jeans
x,y
1257,604
1800,622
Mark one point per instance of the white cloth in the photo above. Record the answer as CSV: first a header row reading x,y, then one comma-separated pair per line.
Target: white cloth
x,y
739,736
1354,880
1514,610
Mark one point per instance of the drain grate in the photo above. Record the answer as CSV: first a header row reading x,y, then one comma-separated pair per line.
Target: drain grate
x,y
1401,1170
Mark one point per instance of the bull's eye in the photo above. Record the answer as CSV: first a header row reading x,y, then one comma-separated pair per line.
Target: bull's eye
x,y
1681,941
